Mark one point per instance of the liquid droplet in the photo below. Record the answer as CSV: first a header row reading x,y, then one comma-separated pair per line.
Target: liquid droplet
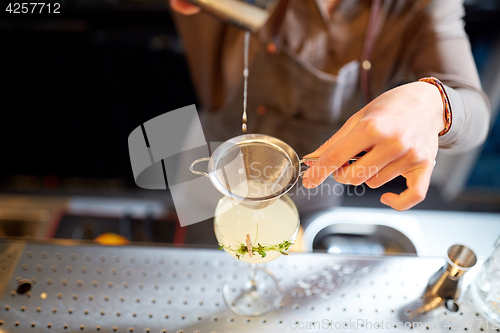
x,y
245,80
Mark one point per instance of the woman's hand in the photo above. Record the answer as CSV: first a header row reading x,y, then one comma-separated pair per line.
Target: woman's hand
x,y
399,131
183,7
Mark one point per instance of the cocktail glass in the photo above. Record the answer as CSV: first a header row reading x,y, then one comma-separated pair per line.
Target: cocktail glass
x,y
255,236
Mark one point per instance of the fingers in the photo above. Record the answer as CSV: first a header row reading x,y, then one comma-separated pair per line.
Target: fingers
x,y
183,7
334,157
309,163
393,170
390,172
418,181
370,165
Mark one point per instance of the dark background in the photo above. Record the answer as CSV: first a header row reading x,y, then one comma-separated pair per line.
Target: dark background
x,y
74,89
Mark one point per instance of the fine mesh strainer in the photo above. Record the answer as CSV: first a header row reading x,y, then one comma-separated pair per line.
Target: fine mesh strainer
x,y
253,169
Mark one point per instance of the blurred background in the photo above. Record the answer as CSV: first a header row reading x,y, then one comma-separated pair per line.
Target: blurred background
x,y
75,85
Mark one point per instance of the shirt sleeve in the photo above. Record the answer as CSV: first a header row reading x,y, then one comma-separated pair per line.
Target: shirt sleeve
x,y
440,48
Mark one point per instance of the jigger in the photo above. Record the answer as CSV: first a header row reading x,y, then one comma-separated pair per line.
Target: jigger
x,y
446,284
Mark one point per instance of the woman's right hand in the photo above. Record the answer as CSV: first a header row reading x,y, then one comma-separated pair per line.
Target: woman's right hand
x,y
183,7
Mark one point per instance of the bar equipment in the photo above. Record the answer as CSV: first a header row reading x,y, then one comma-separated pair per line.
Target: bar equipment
x,y
247,14
253,169
83,287
444,286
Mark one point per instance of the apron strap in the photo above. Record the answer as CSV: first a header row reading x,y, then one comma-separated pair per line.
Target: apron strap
x,y
372,31
272,32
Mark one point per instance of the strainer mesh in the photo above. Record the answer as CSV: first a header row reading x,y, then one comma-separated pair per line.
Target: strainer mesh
x,y
255,170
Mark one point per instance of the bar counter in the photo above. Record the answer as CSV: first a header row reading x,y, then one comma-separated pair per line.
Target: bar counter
x,y
77,287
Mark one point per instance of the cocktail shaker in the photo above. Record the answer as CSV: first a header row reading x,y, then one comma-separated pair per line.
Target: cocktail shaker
x,y
247,14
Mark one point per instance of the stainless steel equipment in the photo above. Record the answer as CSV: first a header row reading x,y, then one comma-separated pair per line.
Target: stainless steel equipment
x,y
253,169
445,285
365,233
247,14
153,289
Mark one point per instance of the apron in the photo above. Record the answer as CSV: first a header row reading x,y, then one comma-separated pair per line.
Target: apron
x,y
290,99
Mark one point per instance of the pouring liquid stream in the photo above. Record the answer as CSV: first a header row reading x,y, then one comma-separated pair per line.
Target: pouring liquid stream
x,y
245,79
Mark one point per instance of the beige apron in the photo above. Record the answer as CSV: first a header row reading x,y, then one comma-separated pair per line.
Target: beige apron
x,y
289,99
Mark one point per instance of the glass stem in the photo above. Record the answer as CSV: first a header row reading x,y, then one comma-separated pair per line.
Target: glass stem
x,y
253,271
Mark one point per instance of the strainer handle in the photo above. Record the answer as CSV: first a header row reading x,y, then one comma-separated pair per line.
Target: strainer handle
x,y
314,159
308,159
191,167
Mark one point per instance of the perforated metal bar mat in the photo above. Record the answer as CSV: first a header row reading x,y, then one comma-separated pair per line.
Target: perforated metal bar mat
x,y
150,289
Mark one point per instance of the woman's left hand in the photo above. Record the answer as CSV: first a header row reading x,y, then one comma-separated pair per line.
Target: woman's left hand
x,y
399,131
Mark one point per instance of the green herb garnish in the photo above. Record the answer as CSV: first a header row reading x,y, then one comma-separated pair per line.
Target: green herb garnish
x,y
242,249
